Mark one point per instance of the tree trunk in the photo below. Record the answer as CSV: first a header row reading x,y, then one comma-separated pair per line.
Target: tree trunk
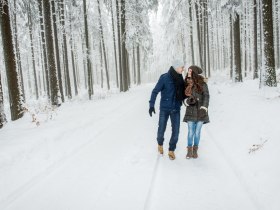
x,y
231,46
128,70
199,36
55,97
3,119
17,50
72,55
191,30
204,37
55,22
115,48
103,46
124,51
119,44
42,27
134,64
15,94
138,65
207,39
65,50
269,59
90,89
237,49
255,75
30,27
101,64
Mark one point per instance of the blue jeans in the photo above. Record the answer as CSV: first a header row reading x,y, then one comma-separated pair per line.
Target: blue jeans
x,y
194,130
175,123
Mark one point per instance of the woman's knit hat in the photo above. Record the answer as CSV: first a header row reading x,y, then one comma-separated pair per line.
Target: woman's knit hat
x,y
196,69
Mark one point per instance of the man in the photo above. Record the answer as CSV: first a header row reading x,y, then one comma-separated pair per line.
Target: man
x,y
171,86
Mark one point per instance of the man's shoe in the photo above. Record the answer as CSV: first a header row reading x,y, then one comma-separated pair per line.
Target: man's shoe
x,y
160,149
171,155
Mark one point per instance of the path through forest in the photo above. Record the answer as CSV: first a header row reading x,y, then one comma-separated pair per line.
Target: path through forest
x,y
104,156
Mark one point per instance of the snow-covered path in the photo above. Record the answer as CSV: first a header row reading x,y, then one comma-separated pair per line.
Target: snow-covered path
x,y
104,156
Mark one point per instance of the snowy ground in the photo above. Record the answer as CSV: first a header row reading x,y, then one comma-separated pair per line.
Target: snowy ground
x,y
103,155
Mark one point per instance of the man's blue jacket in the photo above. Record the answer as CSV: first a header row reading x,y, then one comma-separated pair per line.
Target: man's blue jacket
x,y
166,86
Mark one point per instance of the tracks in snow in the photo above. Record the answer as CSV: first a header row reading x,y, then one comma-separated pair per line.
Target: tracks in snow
x,y
21,190
236,172
233,170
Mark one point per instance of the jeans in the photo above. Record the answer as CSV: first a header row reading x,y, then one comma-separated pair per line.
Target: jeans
x,y
194,130
175,123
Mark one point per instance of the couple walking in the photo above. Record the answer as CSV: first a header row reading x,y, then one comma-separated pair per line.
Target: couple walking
x,y
175,90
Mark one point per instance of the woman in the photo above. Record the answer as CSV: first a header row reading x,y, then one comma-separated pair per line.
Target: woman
x,y
196,114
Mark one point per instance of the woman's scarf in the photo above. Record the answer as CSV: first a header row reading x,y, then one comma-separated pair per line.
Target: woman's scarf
x,y
188,90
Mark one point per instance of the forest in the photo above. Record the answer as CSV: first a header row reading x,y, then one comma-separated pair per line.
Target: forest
x,y
53,51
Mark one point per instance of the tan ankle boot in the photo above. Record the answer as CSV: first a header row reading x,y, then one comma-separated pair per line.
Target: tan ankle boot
x,y
195,155
171,155
190,152
160,149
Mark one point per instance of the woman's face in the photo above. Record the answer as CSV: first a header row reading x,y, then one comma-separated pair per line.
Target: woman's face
x,y
189,72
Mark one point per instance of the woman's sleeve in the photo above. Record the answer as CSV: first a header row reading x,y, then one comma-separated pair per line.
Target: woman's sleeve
x,y
206,96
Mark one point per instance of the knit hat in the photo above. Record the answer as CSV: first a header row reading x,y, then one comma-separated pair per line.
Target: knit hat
x,y
195,69
177,63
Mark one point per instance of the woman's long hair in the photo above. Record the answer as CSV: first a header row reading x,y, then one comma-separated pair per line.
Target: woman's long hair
x,y
198,81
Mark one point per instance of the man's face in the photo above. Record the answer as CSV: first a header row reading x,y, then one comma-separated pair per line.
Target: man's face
x,y
180,70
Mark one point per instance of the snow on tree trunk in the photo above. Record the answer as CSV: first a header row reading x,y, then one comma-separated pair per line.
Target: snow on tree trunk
x,y
237,48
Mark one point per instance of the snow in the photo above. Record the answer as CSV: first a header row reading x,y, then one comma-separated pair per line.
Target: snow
x,y
102,154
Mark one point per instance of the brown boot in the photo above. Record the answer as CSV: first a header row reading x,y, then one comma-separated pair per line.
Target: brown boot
x,y
160,149
171,155
190,152
195,148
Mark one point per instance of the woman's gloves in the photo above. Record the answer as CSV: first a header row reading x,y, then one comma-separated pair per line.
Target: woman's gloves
x,y
191,100
202,112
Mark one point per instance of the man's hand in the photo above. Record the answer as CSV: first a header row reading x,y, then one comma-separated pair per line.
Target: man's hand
x,y
152,110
